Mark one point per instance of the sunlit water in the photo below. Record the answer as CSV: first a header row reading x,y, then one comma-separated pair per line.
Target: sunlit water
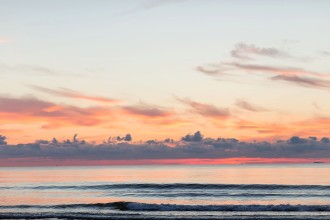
x,y
167,192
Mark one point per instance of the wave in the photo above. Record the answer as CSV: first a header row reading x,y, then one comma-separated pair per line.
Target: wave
x,y
75,216
215,194
179,186
135,206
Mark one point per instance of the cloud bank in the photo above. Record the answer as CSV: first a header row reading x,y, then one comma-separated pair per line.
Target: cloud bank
x,y
190,146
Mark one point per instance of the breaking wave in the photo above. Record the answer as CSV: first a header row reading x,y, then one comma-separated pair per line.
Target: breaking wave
x,y
135,206
179,186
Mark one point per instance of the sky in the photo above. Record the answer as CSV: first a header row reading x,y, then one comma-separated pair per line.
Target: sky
x,y
253,70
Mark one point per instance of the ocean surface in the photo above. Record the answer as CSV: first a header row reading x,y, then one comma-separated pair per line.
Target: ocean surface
x,y
286,191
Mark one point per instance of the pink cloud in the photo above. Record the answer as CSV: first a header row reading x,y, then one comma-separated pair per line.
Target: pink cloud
x,y
63,92
32,110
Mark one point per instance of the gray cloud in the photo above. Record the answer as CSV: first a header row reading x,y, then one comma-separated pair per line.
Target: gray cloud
x,y
316,106
227,67
197,137
206,110
39,69
304,81
325,140
242,51
211,71
245,51
196,147
298,76
325,53
287,71
36,70
298,140
3,140
149,5
146,110
249,106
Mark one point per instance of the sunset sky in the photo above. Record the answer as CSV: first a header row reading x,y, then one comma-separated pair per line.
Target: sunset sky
x,y
157,69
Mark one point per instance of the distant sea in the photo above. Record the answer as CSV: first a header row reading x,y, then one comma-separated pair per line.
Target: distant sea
x,y
285,191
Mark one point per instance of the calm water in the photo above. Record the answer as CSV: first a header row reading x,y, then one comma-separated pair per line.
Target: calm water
x,y
167,192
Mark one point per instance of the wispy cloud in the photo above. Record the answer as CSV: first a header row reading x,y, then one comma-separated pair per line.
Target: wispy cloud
x,y
316,106
147,111
32,110
262,127
315,126
246,51
206,110
304,81
10,131
294,75
249,106
325,52
149,114
149,5
64,92
212,71
36,70
228,67
287,71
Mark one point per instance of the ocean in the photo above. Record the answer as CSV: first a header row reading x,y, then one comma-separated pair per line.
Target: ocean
x,y
282,191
